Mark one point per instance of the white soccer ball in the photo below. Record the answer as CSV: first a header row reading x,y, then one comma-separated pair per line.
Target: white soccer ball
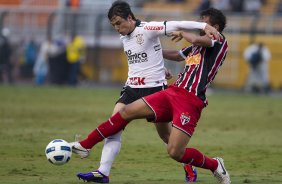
x,y
58,152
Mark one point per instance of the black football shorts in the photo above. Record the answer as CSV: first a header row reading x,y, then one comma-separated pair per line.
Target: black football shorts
x,y
129,95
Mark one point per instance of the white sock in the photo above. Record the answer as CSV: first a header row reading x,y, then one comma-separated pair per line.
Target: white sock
x,y
110,150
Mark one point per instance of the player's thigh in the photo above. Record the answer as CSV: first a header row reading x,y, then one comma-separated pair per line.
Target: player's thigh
x,y
119,106
137,110
163,130
177,143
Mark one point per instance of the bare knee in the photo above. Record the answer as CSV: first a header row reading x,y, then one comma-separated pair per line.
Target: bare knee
x,y
175,152
126,113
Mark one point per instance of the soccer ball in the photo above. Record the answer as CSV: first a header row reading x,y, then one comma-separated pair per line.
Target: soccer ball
x,y
58,152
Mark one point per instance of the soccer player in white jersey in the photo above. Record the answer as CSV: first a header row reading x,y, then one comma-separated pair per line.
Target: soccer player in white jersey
x,y
146,75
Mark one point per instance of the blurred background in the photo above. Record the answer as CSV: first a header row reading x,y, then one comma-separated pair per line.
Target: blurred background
x,y
71,42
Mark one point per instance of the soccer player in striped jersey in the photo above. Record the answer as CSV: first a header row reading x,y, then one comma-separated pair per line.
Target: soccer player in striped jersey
x,y
183,122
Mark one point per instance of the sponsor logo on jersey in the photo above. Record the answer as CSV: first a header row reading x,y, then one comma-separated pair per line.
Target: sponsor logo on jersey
x,y
137,81
193,59
185,118
136,57
157,47
157,28
139,39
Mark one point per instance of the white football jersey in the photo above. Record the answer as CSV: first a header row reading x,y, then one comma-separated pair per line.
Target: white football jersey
x,y
144,55
144,52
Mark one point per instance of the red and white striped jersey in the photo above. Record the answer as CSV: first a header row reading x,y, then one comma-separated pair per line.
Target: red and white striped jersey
x,y
201,66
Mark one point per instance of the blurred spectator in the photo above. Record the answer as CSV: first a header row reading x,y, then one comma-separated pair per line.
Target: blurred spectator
x,y
57,59
237,5
5,56
30,55
204,4
73,3
75,55
223,5
279,7
40,68
252,6
257,55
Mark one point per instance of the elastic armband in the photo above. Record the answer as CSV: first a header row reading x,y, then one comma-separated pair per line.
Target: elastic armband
x,y
165,27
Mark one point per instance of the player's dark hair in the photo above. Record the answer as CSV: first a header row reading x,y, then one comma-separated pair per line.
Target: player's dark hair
x,y
120,8
216,17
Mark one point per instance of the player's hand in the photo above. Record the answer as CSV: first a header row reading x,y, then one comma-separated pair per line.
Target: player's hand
x,y
168,74
176,36
212,32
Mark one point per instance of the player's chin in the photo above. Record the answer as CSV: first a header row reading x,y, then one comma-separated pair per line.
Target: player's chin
x,y
122,33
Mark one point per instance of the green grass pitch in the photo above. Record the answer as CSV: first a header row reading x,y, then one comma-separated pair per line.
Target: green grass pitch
x,y
245,130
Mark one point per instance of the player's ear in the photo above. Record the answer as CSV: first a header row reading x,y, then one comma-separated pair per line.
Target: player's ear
x,y
129,18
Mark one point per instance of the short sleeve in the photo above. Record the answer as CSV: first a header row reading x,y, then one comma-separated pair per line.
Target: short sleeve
x,y
185,52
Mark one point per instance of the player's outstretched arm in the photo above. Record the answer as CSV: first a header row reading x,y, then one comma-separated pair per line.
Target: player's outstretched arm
x,y
189,25
203,41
